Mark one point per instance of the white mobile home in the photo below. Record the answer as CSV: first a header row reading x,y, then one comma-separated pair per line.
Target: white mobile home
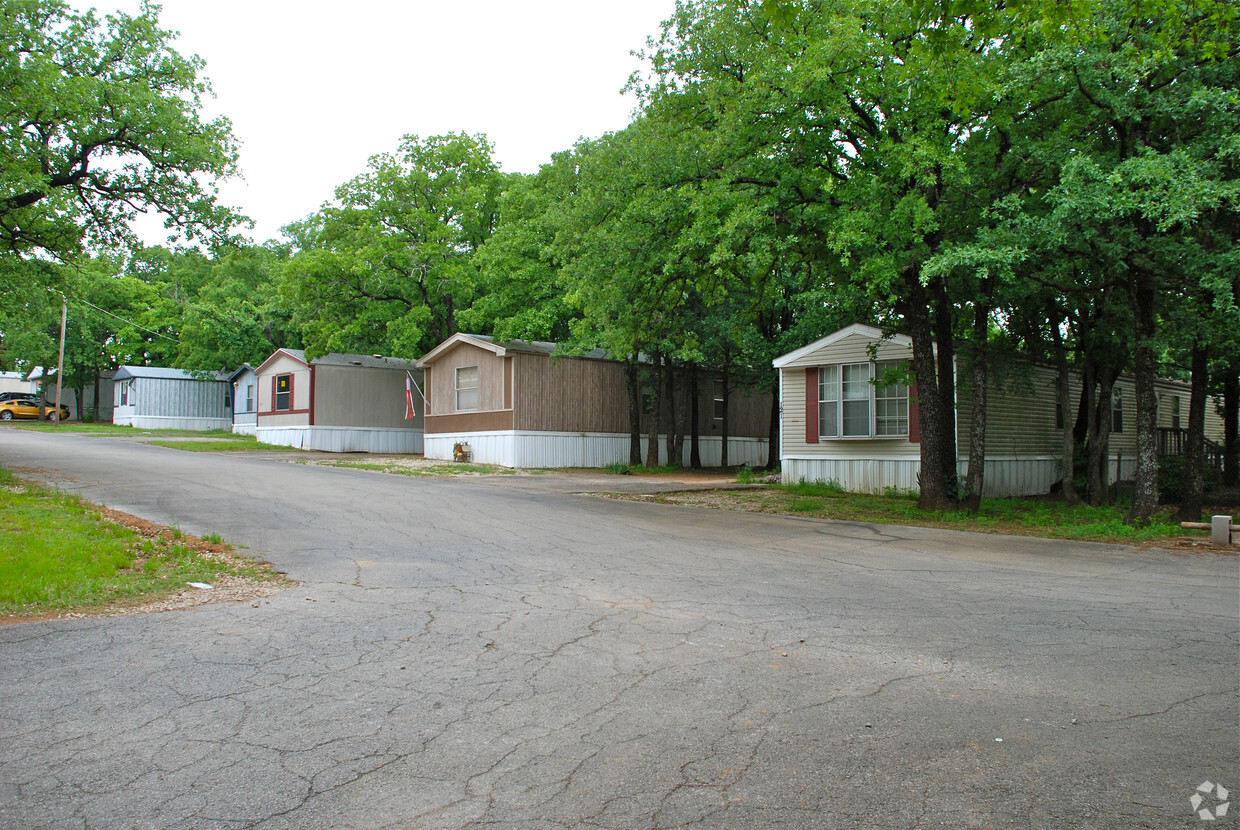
x,y
153,397
840,422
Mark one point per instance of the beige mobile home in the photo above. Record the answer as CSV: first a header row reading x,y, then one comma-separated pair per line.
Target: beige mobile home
x,y
338,403
839,422
518,405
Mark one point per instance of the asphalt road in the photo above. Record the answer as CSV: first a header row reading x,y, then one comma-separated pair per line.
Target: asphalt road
x,y
502,652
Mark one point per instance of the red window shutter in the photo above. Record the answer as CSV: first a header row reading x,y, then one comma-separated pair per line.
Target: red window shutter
x,y
914,416
811,405
274,388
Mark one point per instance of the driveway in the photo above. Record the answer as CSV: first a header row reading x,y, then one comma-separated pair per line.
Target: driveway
x,y
506,652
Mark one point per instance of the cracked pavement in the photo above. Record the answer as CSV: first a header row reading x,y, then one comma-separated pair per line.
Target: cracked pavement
x,y
506,652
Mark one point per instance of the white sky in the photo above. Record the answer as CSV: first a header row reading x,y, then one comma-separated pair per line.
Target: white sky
x,y
315,88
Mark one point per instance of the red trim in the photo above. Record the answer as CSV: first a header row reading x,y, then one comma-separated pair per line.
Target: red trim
x,y
914,416
311,393
811,405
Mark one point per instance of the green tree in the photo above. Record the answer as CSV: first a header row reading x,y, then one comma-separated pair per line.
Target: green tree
x,y
386,267
100,121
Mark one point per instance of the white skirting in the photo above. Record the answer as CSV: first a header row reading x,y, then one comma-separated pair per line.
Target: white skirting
x,y
1005,475
343,439
532,450
170,422
244,429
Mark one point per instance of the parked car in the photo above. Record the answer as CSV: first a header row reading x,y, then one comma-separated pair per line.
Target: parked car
x,y
29,408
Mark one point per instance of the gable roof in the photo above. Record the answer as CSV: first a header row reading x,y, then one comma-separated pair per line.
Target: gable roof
x,y
500,348
297,354
126,372
856,329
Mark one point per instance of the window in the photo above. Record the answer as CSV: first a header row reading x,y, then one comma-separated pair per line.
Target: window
x,y
249,397
829,401
719,405
854,402
855,381
284,393
125,386
466,388
890,403
1117,411
1175,411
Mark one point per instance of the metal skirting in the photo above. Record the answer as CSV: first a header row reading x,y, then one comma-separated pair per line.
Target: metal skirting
x,y
343,439
171,422
1005,476
535,450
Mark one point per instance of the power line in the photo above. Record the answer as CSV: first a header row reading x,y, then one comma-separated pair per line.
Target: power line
x,y
129,322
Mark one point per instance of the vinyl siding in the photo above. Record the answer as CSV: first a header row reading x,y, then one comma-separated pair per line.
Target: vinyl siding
x,y
569,395
360,396
851,349
284,365
491,380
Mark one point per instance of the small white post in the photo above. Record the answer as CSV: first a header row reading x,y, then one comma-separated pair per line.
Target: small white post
x,y
1220,530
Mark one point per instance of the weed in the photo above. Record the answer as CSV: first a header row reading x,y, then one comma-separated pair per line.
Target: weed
x,y
746,475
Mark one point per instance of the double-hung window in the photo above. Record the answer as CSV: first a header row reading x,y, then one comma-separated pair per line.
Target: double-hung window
x,y
854,402
283,393
466,388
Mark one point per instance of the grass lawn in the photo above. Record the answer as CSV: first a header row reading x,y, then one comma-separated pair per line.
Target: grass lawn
x,y
59,553
1046,517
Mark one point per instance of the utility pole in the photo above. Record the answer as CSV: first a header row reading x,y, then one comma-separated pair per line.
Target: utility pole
x,y
60,365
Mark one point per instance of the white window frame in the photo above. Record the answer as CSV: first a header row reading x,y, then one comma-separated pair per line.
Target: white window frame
x,y
840,388
470,390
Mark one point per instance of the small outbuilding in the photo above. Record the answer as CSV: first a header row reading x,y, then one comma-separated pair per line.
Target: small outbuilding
x,y
339,403
520,404
153,397
848,417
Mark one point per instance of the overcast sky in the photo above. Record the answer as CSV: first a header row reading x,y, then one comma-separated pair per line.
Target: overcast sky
x,y
315,88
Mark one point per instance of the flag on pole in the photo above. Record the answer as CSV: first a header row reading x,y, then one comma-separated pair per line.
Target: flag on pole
x,y
410,414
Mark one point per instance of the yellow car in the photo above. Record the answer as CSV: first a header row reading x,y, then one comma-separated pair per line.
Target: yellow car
x,y
28,408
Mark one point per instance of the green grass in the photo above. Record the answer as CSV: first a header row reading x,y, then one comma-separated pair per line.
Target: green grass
x,y
1033,517
631,469
113,429
1046,517
232,443
58,553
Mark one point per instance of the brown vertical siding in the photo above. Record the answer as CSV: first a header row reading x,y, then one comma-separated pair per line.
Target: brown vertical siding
x,y
441,388
569,394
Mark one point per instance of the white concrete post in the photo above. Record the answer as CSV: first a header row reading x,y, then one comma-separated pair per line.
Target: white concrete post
x,y
1220,530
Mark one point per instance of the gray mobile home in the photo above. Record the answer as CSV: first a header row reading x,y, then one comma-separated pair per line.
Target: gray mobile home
x,y
339,403
158,398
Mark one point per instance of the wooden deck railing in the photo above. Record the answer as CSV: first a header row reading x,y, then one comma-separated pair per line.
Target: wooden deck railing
x,y
1172,441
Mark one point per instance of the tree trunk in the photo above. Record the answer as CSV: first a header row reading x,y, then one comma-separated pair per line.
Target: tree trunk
x,y
946,359
772,436
655,410
935,492
975,474
1069,438
695,418
1231,426
1097,391
1195,451
675,438
1141,292
726,383
633,382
